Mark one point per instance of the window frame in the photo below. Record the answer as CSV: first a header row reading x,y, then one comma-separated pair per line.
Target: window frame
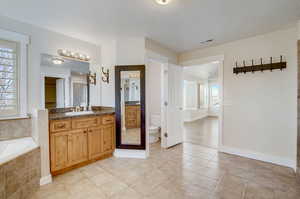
x,y
22,59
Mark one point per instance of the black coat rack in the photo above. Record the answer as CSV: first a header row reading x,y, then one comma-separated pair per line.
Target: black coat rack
x,y
260,66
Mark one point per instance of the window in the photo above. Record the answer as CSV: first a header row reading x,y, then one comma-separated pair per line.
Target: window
x,y
214,95
79,94
203,95
13,67
190,94
8,78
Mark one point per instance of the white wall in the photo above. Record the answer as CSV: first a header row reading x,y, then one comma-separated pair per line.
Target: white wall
x,y
108,55
157,48
260,110
154,71
299,29
130,51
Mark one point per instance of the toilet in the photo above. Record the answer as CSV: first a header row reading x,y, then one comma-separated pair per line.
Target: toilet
x,y
154,130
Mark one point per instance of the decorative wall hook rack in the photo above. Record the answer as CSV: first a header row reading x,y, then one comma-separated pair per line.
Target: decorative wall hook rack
x,y
260,65
105,75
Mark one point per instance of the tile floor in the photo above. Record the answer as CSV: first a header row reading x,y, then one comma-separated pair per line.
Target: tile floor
x,y
186,171
204,132
131,136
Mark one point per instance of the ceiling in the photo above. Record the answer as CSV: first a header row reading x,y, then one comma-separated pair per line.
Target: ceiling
x,y
204,71
182,25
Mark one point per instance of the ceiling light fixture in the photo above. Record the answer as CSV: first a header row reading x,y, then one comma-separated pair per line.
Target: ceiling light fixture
x,y
163,2
57,61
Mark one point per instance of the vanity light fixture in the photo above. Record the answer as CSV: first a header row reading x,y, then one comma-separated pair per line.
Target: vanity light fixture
x,y
57,61
163,2
73,55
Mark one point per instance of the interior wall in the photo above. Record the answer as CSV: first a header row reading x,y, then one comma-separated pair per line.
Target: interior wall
x,y
108,55
157,48
298,138
155,70
298,100
260,114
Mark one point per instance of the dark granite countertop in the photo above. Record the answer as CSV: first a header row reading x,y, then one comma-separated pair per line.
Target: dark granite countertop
x,y
96,112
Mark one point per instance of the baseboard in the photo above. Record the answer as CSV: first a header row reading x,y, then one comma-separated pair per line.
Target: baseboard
x,y
260,156
45,180
126,153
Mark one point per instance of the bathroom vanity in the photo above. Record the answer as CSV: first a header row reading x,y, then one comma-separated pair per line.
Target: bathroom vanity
x,y
79,138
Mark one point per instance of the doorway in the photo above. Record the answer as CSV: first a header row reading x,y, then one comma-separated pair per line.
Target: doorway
x,y
54,92
155,102
165,85
201,104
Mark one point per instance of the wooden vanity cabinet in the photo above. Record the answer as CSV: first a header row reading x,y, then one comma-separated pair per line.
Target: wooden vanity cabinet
x,y
59,150
78,147
132,116
95,136
89,139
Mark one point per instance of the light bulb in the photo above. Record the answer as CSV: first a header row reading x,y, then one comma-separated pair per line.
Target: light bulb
x,y
57,61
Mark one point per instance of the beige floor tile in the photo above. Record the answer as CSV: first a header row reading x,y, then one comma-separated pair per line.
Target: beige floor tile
x,y
113,187
102,178
256,191
186,171
127,193
70,177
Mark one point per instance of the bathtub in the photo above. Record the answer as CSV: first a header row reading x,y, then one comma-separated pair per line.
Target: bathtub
x,y
20,166
11,149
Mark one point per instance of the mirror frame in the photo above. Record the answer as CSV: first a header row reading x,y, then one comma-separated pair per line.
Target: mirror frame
x,y
118,69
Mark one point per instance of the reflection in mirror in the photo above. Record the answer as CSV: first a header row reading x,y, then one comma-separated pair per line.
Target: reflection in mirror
x,y
131,107
66,82
79,90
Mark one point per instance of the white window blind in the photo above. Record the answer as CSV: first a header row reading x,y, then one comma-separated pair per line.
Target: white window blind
x,y
8,78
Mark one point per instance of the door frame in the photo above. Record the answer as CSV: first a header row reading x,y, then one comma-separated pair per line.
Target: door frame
x,y
43,75
220,59
164,61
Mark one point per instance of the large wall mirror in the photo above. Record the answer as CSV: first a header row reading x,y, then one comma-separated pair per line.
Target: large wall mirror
x,y
66,82
130,106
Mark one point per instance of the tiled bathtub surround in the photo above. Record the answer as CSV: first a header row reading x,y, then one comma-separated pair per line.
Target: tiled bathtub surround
x,y
11,129
19,178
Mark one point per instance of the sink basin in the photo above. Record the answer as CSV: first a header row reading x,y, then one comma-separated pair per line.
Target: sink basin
x,y
79,113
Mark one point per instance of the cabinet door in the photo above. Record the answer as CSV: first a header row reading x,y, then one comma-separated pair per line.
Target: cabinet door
x,y
78,146
59,150
108,138
95,137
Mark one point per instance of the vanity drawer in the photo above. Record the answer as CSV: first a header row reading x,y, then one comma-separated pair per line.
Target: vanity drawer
x,y
60,125
85,122
109,119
